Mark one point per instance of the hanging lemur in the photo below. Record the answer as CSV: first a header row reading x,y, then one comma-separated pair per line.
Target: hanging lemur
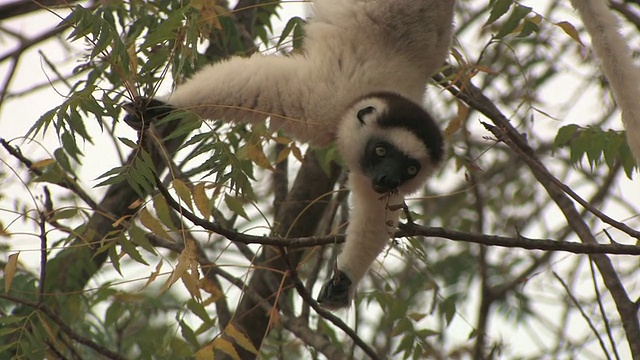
x,y
359,80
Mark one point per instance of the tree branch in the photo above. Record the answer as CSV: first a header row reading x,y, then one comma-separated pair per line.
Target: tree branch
x,y
304,294
23,7
503,130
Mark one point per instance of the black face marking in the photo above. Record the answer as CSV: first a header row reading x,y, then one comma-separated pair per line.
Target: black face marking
x,y
387,166
364,112
403,113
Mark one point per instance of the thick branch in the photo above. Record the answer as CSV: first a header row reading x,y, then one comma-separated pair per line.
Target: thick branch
x,y
23,7
519,241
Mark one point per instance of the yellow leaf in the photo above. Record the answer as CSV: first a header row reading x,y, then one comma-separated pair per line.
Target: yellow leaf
x,y
129,298
47,329
457,123
10,271
186,261
133,58
42,163
211,288
257,155
226,347
240,338
182,266
282,140
190,252
153,275
136,204
283,155
183,192
191,284
153,224
210,13
485,69
3,231
120,221
296,152
536,19
570,30
201,200
205,353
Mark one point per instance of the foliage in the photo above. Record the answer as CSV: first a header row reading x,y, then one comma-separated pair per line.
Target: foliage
x,y
195,267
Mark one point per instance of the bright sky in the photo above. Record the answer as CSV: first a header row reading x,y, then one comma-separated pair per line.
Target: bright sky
x,y
18,114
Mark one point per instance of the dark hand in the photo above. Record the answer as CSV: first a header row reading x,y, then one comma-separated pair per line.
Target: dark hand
x,y
142,111
336,292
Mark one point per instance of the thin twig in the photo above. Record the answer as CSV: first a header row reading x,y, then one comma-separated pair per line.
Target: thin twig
x,y
302,291
602,311
43,257
66,183
66,328
584,315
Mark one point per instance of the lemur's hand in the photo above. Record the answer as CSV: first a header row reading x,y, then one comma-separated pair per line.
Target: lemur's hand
x,y
142,111
337,292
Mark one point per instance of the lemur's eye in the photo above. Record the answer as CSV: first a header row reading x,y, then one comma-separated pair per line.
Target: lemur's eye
x,y
381,151
412,170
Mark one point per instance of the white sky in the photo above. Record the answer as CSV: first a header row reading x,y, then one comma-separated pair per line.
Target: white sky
x,y
18,114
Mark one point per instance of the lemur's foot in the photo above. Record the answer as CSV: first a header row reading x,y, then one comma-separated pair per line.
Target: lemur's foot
x,y
336,292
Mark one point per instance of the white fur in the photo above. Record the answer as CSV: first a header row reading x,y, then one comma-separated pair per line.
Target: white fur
x,y
369,231
616,63
353,137
352,48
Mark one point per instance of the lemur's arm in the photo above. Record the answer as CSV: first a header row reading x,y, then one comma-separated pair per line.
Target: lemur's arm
x,y
616,62
372,221
252,90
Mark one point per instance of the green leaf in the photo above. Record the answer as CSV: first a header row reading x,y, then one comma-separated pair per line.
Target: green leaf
x,y
405,345
565,135
518,13
528,29
448,307
628,161
63,160
139,237
64,214
128,142
198,310
130,249
10,319
499,8
188,334
163,211
115,259
235,205
288,28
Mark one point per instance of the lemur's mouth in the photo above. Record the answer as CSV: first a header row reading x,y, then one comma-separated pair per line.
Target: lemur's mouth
x,y
385,190
380,189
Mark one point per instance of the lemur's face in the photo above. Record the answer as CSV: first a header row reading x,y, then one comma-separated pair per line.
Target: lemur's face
x,y
390,140
387,166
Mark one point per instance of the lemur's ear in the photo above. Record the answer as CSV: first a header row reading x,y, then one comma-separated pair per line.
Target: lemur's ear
x,y
364,112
